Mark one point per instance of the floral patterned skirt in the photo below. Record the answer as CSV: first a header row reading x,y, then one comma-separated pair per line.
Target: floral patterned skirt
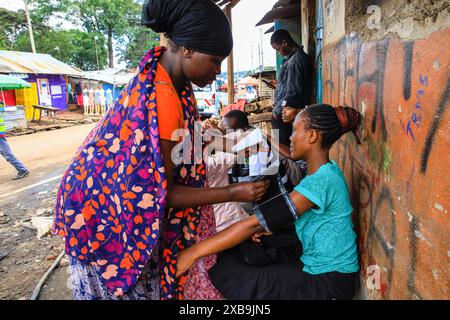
x,y
87,284
198,286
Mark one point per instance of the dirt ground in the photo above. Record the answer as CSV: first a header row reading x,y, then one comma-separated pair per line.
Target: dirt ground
x,y
46,154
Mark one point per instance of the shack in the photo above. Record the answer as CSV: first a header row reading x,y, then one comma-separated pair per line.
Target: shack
x,y
47,75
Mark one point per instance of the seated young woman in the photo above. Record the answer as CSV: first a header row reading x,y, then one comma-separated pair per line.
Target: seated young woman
x,y
328,266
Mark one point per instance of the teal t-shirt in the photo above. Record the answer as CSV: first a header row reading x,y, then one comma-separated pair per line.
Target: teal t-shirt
x,y
326,231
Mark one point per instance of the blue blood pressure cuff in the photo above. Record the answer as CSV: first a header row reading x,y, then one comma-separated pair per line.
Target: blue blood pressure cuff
x,y
276,209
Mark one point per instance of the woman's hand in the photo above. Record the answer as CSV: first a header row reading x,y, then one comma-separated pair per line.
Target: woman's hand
x,y
248,191
257,235
185,260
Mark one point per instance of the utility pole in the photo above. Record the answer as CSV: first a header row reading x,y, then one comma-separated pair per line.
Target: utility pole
x,y
30,27
259,56
262,50
230,62
96,51
252,58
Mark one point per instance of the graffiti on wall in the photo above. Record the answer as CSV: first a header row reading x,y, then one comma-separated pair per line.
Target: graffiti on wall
x,y
398,176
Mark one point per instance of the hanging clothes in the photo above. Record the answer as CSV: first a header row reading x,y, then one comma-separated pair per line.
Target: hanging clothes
x,y
72,100
91,97
85,98
80,100
109,98
77,90
97,97
78,94
102,97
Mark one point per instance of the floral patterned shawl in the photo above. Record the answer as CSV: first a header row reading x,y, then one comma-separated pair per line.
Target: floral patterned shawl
x,y
111,202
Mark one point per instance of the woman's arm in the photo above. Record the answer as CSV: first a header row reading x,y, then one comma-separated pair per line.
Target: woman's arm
x,y
284,150
301,202
281,148
225,239
186,197
231,236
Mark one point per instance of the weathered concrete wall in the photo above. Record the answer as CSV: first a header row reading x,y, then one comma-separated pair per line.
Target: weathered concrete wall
x,y
307,14
399,176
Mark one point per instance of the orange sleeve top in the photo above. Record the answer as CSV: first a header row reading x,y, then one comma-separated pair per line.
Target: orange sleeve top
x,y
168,106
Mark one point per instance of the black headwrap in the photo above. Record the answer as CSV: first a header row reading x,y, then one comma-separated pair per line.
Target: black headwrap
x,y
197,24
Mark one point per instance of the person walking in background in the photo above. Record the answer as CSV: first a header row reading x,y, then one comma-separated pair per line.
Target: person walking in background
x,y
6,152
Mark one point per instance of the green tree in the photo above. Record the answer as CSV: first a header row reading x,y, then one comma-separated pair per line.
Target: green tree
x,y
73,47
12,24
42,10
136,42
111,18
84,55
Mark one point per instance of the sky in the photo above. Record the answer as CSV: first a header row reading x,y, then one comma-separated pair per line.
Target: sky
x,y
246,36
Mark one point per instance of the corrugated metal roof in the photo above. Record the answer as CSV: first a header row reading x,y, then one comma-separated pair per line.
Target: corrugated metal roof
x,y
36,63
113,76
281,10
270,30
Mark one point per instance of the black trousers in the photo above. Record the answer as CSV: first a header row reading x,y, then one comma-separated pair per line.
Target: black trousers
x,y
285,280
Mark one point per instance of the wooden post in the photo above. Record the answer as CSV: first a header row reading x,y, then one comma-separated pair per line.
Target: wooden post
x,y
230,63
30,27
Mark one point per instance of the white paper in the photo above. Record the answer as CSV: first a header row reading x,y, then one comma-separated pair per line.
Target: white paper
x,y
56,90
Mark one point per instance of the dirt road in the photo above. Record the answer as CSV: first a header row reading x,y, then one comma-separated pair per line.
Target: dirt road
x,y
46,154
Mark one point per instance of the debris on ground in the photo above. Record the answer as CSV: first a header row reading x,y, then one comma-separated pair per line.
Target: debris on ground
x,y
63,119
3,254
43,225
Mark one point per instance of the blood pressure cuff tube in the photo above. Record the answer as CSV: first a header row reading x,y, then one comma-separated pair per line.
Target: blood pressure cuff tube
x,y
276,209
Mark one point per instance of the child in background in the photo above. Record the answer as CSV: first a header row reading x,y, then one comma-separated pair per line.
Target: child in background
x,y
328,267
291,108
217,217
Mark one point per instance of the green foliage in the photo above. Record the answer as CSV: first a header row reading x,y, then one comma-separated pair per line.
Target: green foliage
x,y
13,23
83,55
109,20
42,10
137,42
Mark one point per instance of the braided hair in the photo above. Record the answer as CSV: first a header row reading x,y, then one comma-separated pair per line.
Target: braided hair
x,y
331,122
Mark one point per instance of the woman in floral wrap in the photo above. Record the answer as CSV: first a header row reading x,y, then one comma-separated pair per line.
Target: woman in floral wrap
x,y
124,207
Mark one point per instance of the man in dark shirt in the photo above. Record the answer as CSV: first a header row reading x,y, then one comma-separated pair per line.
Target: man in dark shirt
x,y
294,82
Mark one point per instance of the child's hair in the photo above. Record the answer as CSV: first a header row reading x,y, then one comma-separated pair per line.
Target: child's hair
x,y
241,118
331,122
